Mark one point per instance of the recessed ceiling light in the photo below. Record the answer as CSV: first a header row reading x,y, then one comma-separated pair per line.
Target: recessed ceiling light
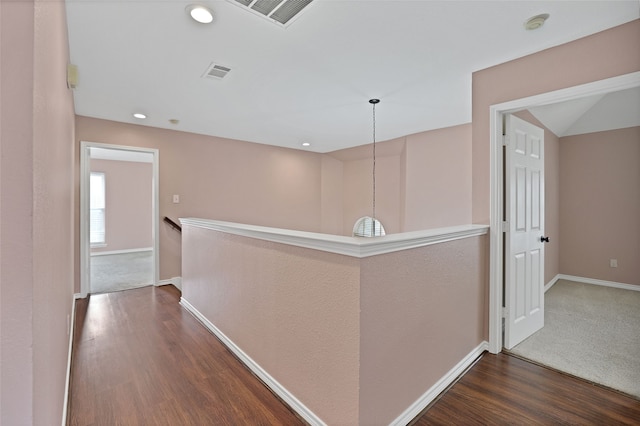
x,y
536,22
200,13
174,121
306,144
139,115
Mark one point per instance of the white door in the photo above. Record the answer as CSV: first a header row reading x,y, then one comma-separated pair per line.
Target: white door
x,y
524,238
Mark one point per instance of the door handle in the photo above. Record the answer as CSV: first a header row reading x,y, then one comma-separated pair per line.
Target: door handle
x,y
544,239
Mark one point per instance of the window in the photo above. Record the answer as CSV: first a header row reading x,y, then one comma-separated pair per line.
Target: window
x,y
97,206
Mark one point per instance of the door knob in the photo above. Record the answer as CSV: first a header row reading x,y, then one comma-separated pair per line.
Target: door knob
x,y
544,239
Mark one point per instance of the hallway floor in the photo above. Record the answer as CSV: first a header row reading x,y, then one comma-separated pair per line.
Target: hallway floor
x,y
139,358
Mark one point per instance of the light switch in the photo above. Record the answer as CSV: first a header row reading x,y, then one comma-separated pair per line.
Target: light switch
x,y
176,198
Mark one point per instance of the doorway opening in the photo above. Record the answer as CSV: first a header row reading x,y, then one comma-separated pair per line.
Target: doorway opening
x,y
118,217
497,113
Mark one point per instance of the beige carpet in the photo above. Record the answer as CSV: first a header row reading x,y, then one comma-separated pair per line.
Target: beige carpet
x,y
591,332
117,272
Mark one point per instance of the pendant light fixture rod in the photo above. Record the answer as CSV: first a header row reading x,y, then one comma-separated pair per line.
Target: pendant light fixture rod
x,y
374,102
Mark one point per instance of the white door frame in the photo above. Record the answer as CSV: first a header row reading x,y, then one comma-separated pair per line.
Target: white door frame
x,y
496,114
85,247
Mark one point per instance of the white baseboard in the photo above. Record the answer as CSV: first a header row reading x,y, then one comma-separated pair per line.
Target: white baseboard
x,y
175,281
272,383
551,283
72,326
594,281
135,250
442,384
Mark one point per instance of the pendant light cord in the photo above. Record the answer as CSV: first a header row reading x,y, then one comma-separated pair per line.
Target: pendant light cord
x,y
374,167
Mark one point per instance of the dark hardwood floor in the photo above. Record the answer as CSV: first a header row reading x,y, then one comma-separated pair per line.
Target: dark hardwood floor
x,y
505,390
140,359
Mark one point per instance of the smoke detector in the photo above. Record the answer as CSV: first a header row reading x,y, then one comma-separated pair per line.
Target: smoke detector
x,y
536,22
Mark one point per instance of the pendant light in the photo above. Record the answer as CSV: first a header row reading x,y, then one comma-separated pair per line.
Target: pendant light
x,y
369,226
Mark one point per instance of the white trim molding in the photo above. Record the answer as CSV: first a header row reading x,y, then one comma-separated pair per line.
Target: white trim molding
x,y
67,383
126,251
551,283
348,246
496,113
594,281
440,386
272,383
175,281
85,171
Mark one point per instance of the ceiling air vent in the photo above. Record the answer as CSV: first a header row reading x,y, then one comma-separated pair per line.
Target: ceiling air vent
x,y
278,11
216,71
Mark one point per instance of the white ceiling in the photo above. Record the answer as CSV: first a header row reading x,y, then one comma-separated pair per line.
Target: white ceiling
x,y
610,111
311,81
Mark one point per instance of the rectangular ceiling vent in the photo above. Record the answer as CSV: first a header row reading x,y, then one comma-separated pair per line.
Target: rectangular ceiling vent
x,y
278,11
216,71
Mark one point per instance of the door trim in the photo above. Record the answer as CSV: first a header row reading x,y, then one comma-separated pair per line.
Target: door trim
x,y
85,247
496,113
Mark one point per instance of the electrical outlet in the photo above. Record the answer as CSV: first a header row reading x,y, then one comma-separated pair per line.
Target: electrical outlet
x,y
613,263
176,199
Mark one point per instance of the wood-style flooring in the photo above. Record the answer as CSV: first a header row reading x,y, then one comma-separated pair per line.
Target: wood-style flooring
x,y
140,359
505,390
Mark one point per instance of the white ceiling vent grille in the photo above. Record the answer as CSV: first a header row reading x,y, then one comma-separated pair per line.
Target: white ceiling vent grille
x,y
278,11
216,71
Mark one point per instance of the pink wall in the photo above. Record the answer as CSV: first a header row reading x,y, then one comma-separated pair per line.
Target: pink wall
x,y
357,341
551,198
129,198
603,55
219,179
422,311
331,195
438,178
263,185
358,192
600,208
423,181
16,209
36,246
357,184
294,311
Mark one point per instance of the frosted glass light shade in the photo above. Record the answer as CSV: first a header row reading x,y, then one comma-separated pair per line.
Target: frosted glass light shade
x,y
368,227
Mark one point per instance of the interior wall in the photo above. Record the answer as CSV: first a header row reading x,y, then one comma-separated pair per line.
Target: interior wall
x,y
358,192
293,310
423,181
16,209
129,204
357,184
422,311
36,244
332,175
263,185
600,208
603,55
438,178
218,179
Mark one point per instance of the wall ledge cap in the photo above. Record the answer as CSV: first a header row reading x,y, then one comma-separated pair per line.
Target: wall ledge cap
x,y
348,246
